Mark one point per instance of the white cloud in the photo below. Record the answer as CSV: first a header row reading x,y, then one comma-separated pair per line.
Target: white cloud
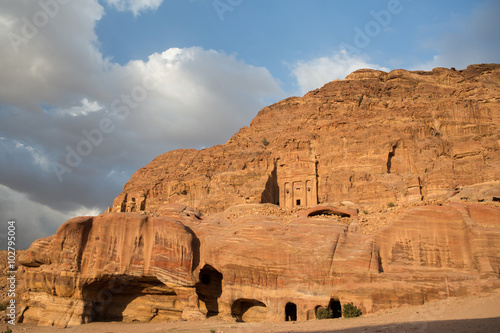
x,y
436,61
56,63
84,108
38,158
315,73
200,94
135,6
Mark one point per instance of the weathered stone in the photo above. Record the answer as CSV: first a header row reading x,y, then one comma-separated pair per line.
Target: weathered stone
x,y
253,266
489,191
374,137
94,264
323,200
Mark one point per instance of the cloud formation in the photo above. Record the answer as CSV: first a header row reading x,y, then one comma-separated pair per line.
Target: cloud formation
x,y
75,125
315,73
34,220
57,93
135,6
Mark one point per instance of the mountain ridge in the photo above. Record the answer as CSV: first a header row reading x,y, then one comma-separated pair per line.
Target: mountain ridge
x,y
377,122
381,190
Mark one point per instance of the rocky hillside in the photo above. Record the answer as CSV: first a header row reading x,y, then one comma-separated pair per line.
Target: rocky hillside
x,y
250,266
375,137
367,155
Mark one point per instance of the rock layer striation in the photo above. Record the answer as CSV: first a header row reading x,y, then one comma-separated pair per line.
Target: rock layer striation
x,y
374,137
290,220
133,267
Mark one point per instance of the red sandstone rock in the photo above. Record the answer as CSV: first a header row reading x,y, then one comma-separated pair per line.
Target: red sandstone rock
x,y
235,230
128,266
112,258
374,137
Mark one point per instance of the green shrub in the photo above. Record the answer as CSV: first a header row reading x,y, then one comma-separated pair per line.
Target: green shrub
x,y
8,330
324,313
390,204
350,310
265,142
3,307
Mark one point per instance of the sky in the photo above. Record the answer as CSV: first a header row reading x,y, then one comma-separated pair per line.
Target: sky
x,y
91,91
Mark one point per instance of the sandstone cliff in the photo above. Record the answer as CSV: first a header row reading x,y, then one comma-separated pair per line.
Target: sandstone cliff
x,y
253,266
382,189
374,137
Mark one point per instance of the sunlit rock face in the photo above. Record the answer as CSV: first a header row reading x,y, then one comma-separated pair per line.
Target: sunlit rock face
x,y
251,265
375,137
382,189
95,265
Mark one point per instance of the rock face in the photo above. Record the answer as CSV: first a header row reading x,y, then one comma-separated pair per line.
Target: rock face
x,y
374,137
254,266
94,265
295,212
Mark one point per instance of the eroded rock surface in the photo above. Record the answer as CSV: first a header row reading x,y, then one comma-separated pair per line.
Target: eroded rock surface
x,y
381,190
254,266
374,137
94,265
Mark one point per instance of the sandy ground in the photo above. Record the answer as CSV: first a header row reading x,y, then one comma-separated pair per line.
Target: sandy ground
x,y
467,314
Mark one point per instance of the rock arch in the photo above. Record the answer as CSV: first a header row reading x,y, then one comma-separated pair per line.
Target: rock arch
x,y
130,299
328,211
249,310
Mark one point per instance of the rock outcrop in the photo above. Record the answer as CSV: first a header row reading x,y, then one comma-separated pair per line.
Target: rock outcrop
x,y
374,137
113,259
381,190
255,266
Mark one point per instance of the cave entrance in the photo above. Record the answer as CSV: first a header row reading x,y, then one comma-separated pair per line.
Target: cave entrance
x,y
328,212
128,299
336,308
290,312
209,290
249,311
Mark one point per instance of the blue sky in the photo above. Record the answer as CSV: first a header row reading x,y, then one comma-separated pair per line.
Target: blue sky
x,y
90,91
277,34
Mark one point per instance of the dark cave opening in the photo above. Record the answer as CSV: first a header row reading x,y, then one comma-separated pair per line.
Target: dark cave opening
x,y
209,289
290,312
328,212
129,299
336,308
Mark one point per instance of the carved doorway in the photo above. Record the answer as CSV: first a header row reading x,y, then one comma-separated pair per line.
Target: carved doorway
x,y
291,312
